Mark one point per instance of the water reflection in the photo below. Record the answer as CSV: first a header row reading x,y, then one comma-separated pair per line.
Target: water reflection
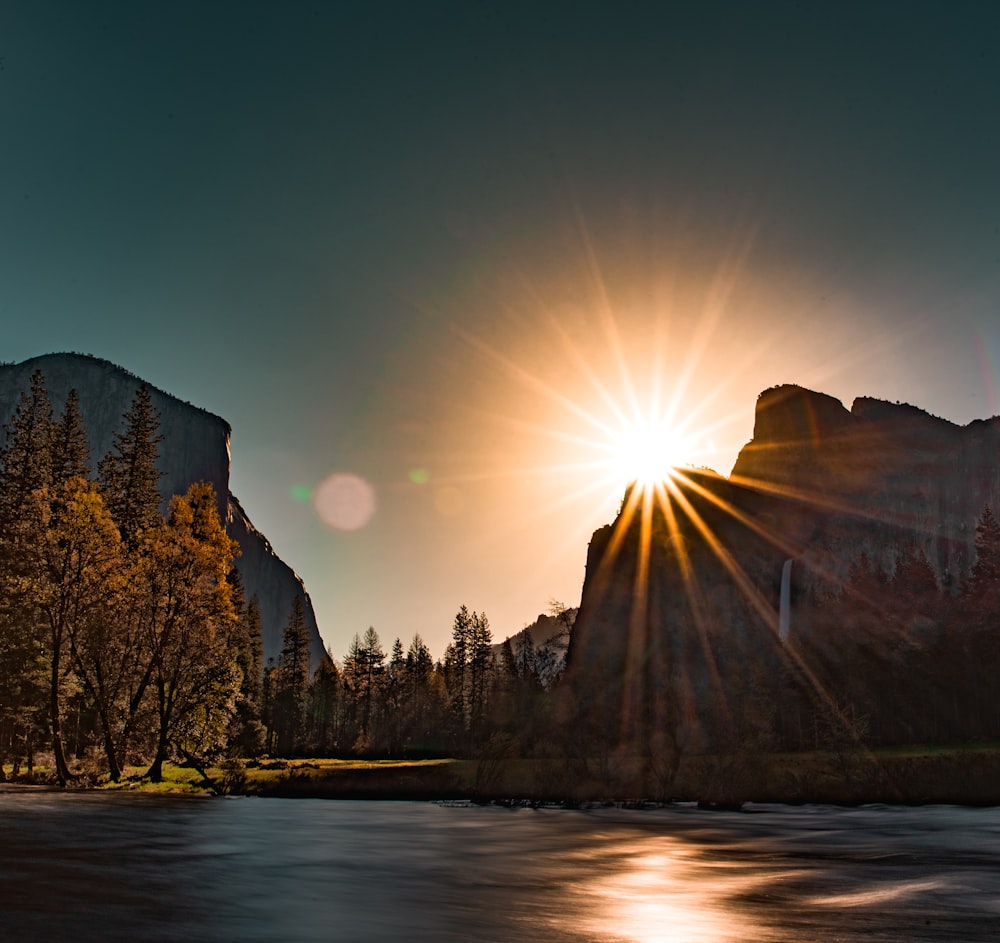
x,y
118,868
672,893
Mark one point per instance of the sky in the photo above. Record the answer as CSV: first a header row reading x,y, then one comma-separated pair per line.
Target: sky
x,y
452,251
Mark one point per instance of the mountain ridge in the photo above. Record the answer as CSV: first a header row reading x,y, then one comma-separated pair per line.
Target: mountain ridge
x,y
195,447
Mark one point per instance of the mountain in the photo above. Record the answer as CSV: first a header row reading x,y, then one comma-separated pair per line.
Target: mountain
x,y
195,447
549,635
886,635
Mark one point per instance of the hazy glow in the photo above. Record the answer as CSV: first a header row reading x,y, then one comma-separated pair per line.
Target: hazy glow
x,y
448,500
344,501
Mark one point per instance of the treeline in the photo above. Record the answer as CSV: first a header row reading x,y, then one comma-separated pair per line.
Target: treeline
x,y
124,633
402,703
126,638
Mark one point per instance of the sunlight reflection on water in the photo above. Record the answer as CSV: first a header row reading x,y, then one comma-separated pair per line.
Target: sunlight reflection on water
x,y
125,867
672,895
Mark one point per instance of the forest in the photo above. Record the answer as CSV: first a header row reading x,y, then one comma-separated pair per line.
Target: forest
x,y
126,639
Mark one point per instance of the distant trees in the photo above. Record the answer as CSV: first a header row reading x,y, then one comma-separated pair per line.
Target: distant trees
x,y
982,592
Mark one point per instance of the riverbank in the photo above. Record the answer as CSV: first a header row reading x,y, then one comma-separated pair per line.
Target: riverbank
x,y
964,776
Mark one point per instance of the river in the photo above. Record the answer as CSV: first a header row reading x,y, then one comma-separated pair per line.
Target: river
x,y
79,867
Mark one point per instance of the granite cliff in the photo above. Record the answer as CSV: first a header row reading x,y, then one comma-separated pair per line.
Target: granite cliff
x,y
195,447
677,639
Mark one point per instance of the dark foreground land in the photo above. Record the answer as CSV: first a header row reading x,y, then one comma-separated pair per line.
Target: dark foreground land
x,y
958,775
969,776
965,776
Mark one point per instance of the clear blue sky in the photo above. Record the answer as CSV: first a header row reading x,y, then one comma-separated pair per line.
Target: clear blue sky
x,y
434,244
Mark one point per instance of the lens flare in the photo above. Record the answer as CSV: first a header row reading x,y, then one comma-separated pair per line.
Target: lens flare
x,y
344,501
647,451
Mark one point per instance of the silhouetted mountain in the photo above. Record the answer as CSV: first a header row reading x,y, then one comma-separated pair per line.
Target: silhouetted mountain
x,y
195,447
676,646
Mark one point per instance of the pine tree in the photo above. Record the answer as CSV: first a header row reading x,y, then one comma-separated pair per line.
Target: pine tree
x,y
70,450
480,658
25,471
422,699
26,457
248,735
456,659
292,681
129,474
324,691
982,592
364,670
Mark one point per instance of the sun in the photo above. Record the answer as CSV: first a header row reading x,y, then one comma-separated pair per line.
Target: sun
x,y
647,451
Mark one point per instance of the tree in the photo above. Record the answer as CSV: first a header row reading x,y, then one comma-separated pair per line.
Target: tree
x,y
456,674
25,467
247,735
364,668
424,698
128,473
468,668
70,450
189,623
27,454
292,681
982,591
480,672
323,703
77,588
392,699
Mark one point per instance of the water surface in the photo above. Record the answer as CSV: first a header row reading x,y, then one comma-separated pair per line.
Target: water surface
x,y
126,867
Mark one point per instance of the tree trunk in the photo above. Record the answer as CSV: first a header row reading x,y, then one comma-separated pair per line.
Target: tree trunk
x,y
114,769
63,774
155,772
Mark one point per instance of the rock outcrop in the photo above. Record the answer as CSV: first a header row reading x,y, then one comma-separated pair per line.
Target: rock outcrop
x,y
677,634
195,447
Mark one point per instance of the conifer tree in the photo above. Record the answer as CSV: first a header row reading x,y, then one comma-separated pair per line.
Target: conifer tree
x,y
25,469
364,669
480,657
70,450
26,456
982,592
247,735
456,672
423,696
129,474
292,681
324,690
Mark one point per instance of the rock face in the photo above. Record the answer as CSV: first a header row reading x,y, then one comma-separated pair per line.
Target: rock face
x,y
549,637
195,447
677,634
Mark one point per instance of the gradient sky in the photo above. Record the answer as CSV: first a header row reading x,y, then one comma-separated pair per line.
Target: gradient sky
x,y
440,245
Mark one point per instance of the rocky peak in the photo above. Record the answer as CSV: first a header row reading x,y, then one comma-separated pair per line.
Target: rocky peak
x,y
195,447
